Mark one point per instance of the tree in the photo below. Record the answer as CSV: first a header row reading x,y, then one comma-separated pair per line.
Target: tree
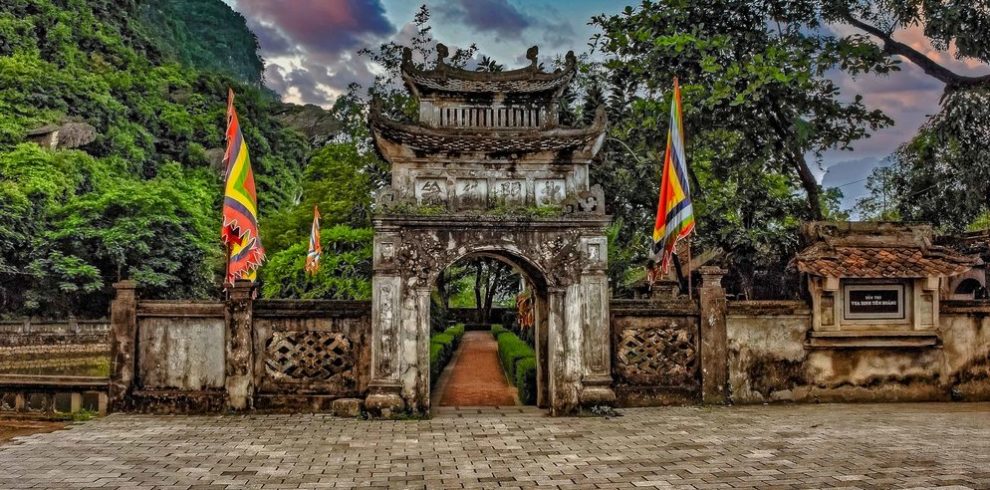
x,y
489,65
757,101
939,176
958,24
74,221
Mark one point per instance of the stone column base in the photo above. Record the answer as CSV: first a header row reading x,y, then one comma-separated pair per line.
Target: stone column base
x,y
597,391
383,400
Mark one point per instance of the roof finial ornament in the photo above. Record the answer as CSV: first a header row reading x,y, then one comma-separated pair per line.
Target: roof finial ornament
x,y
570,59
442,53
532,54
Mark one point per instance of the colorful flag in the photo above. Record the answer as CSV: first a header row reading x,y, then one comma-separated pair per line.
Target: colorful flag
x,y
240,205
315,251
675,216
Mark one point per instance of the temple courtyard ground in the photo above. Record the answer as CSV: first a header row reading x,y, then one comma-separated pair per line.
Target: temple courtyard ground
x,y
796,446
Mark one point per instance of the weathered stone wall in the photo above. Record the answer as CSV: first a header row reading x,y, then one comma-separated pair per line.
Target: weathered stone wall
x,y
308,353
66,347
241,354
655,352
771,358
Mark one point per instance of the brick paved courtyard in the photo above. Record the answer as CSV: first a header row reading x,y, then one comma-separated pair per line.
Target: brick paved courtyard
x,y
855,446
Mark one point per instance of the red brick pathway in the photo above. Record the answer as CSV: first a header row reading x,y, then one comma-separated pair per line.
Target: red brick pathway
x,y
477,379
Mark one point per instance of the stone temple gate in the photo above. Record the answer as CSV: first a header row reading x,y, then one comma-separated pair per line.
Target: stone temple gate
x,y
488,170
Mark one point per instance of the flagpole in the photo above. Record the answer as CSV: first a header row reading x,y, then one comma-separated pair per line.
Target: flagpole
x,y
690,281
226,270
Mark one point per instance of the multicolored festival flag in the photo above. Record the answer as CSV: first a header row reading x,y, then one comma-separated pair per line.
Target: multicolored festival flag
x,y
315,250
240,205
675,216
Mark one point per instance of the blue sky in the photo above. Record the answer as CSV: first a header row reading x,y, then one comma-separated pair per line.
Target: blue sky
x,y
310,47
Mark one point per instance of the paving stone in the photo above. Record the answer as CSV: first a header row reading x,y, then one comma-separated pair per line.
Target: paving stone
x,y
800,446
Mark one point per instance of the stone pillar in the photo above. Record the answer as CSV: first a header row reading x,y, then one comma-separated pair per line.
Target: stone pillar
x,y
419,341
714,340
123,329
240,346
385,388
564,349
596,386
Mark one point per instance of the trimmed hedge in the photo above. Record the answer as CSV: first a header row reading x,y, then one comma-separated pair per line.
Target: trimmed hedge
x,y
498,330
526,380
519,362
510,350
442,347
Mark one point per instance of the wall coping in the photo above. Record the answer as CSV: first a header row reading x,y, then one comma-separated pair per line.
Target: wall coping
x,y
301,308
183,309
964,307
769,308
653,307
49,382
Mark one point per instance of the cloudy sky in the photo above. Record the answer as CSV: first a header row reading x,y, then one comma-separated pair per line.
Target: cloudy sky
x,y
311,50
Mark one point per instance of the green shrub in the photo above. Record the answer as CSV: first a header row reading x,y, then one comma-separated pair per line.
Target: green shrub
x,y
525,380
457,331
446,340
498,330
510,350
437,361
442,347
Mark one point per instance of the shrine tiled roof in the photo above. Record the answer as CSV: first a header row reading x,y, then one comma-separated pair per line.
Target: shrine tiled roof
x,y
873,262
435,140
446,78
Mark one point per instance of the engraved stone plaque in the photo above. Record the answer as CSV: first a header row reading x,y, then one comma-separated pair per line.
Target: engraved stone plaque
x,y
549,192
511,191
431,192
472,193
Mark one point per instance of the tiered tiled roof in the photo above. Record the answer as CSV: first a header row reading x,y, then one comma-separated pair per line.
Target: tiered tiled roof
x,y
883,262
430,140
878,250
445,78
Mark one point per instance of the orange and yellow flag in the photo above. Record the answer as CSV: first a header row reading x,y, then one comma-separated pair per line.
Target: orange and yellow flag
x,y
675,215
240,205
315,250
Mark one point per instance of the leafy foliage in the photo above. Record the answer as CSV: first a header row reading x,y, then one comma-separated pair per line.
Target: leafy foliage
x,y
345,269
519,362
757,99
208,36
73,222
940,176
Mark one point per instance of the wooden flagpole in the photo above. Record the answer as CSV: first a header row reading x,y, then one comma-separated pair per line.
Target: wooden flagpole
x,y
690,281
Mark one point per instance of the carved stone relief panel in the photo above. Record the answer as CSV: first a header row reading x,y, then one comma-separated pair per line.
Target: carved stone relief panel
x,y
472,193
662,353
386,314
310,356
431,192
550,191
385,251
511,191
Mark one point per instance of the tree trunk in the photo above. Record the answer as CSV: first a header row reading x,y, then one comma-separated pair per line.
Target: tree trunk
x,y
810,185
494,284
477,291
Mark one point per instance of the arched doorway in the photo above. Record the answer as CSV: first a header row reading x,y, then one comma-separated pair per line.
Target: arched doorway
x,y
480,292
566,262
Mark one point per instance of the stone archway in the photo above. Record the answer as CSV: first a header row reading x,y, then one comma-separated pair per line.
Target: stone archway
x,y
487,167
566,257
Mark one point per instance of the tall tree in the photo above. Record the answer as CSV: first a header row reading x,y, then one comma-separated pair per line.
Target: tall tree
x,y
941,175
758,101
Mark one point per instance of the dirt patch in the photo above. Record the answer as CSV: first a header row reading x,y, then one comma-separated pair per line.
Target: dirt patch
x,y
11,428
